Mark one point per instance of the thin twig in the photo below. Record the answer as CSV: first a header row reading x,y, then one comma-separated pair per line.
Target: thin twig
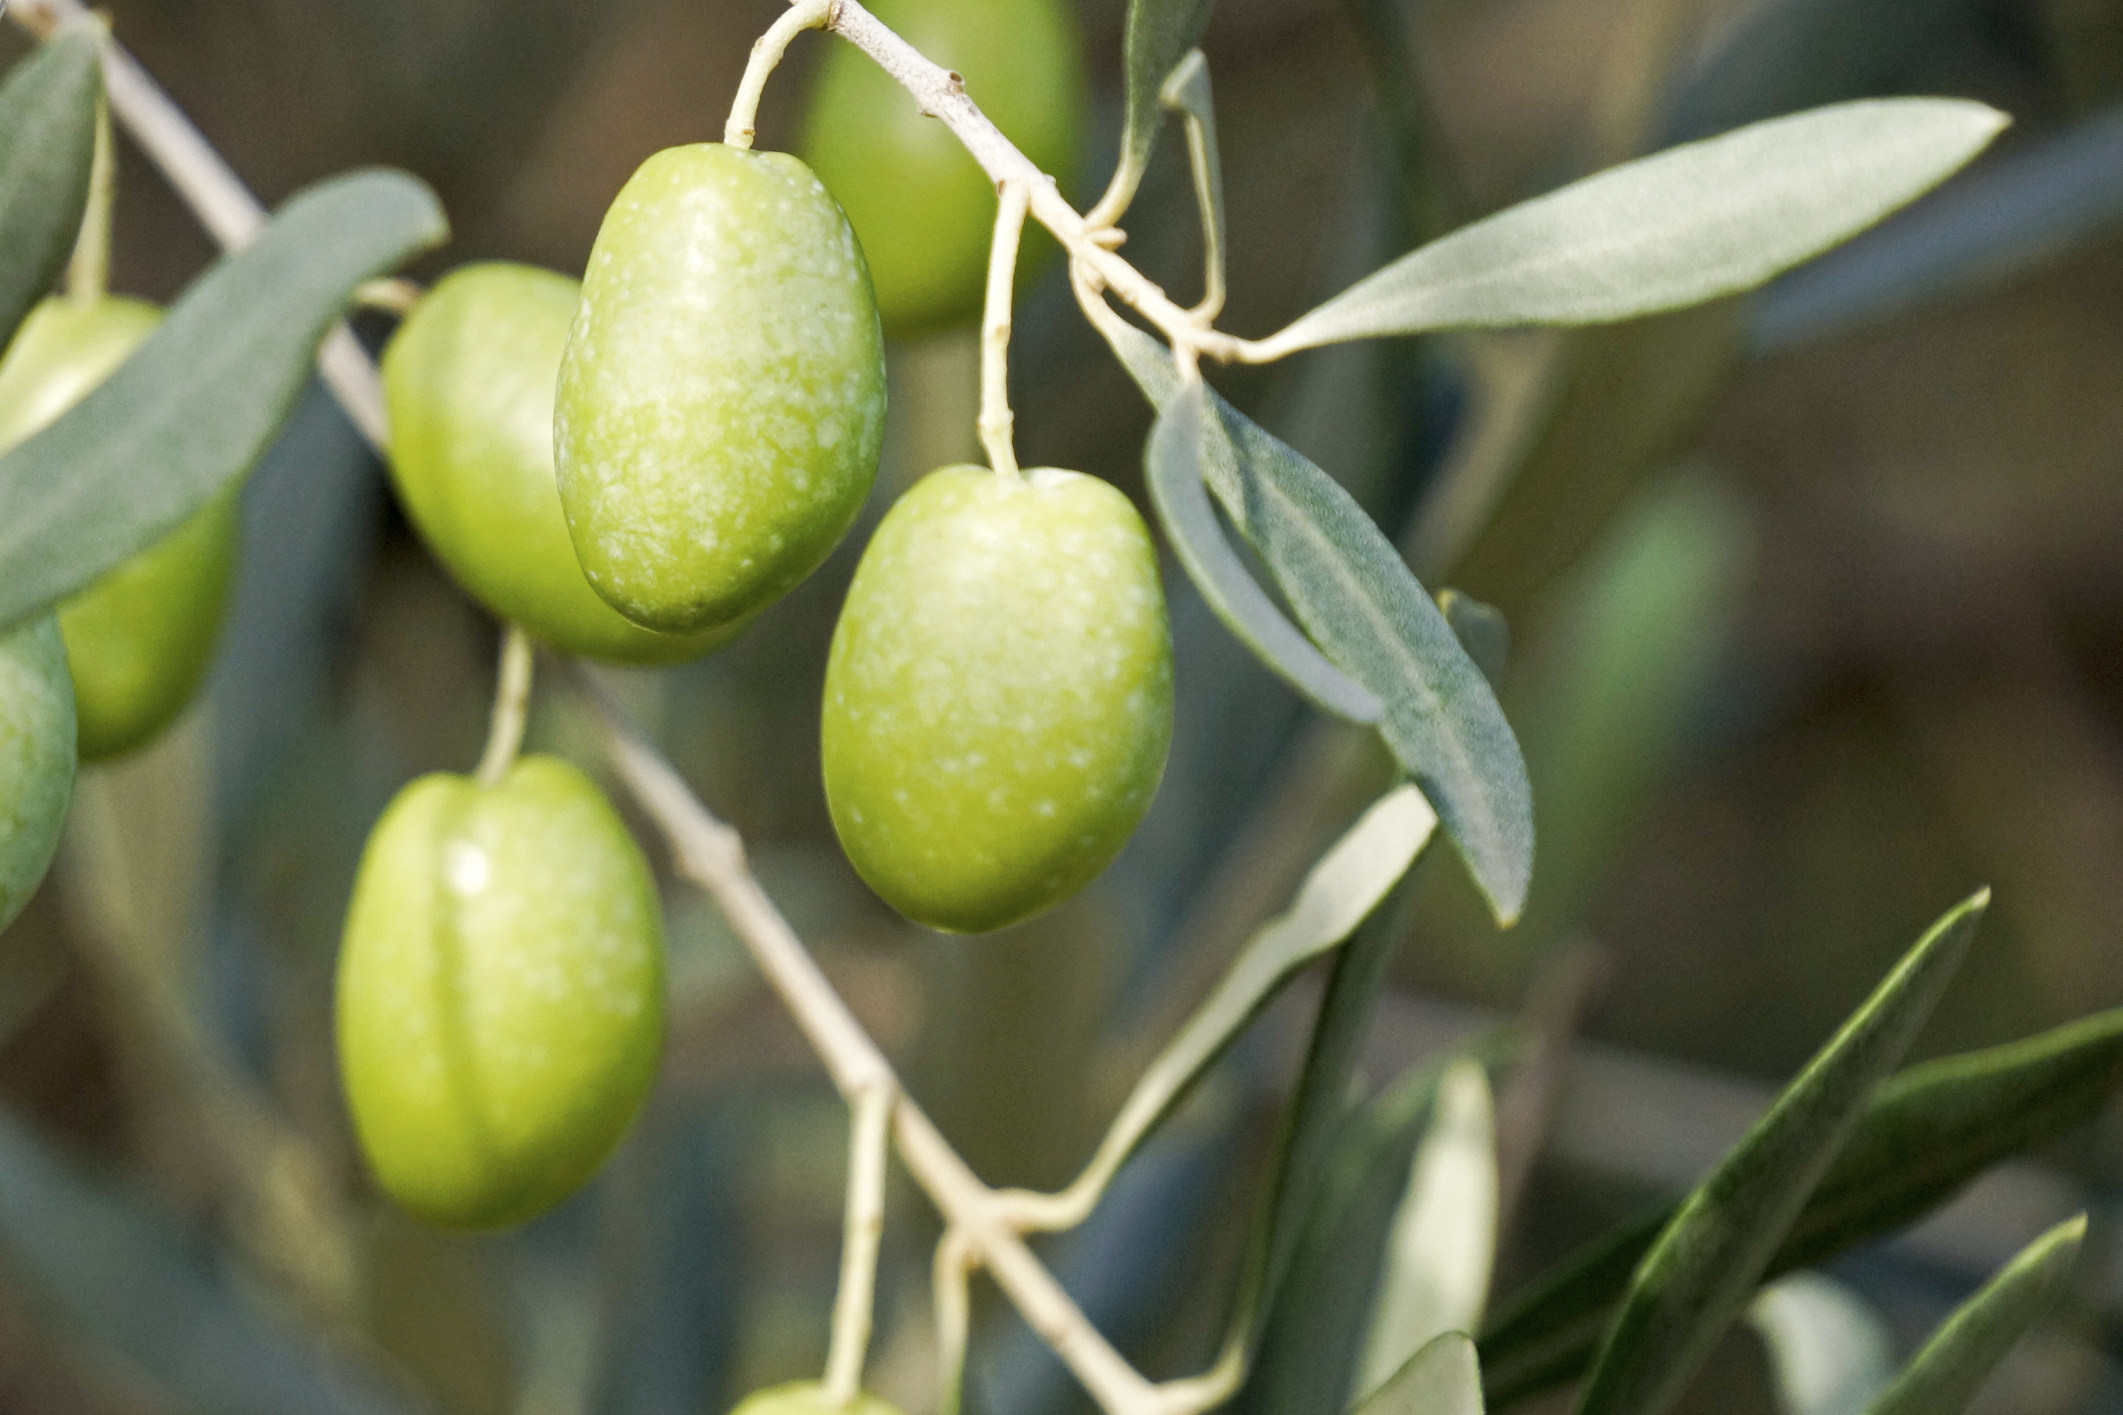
x,y
949,1276
512,704
996,422
1186,92
869,1137
767,52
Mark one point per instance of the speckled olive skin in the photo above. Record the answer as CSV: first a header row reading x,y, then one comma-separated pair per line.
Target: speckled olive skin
x,y
500,998
36,758
468,382
139,639
998,696
808,1398
921,206
722,396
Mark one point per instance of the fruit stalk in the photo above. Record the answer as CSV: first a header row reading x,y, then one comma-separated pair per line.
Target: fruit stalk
x,y
766,57
996,420
512,704
88,269
869,1137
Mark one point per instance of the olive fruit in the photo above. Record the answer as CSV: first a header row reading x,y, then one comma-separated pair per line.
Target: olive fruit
x,y
140,638
921,205
500,993
998,695
722,397
808,1398
468,382
36,757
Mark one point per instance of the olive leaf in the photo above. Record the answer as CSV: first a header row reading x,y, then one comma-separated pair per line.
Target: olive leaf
x,y
1944,1377
1173,467
1158,35
1340,891
1358,600
1706,1262
48,119
1444,1378
1481,630
1829,1352
1679,228
204,396
1926,1133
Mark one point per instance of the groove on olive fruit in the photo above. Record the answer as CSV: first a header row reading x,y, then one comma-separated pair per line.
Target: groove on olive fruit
x,y
920,204
998,695
722,396
468,383
808,1398
140,638
36,757
500,993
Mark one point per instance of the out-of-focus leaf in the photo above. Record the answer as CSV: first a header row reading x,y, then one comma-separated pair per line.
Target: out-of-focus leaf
x,y
1481,630
1829,1351
1442,1245
1338,894
1356,598
138,1288
2027,209
192,410
1444,1378
1926,1132
1679,228
1945,1376
1158,35
1705,1264
1172,463
47,140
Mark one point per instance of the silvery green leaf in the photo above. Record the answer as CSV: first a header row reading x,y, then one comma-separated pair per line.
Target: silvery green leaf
x,y
1706,1263
1678,228
1158,35
47,140
1444,1378
1944,1377
1442,1244
1829,1352
204,396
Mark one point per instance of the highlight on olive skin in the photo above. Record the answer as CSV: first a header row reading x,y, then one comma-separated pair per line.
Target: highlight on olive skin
x,y
468,383
36,758
998,699
139,639
500,1000
722,395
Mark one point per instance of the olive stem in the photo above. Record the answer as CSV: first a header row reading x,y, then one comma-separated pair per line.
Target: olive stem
x,y
1186,92
512,703
767,51
393,294
950,1274
869,1138
996,420
88,270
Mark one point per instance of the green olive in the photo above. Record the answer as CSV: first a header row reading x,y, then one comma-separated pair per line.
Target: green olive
x,y
924,209
468,380
808,1398
140,638
36,757
998,695
500,998
722,396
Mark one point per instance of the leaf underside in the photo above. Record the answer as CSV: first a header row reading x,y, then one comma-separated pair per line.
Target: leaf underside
x,y
1157,36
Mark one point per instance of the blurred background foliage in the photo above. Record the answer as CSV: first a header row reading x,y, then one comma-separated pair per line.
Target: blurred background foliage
x,y
1817,620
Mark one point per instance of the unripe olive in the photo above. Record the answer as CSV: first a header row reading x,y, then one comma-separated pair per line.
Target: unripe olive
x,y
921,205
808,1398
722,396
140,638
36,757
500,995
998,695
468,381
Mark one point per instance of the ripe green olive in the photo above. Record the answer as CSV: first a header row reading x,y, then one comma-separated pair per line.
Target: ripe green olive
x,y
722,397
998,695
922,206
468,381
36,757
500,996
808,1398
140,638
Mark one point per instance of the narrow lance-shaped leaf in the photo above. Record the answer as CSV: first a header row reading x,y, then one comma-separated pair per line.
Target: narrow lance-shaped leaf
x,y
1159,33
1705,1265
1926,1133
1338,894
1173,467
47,139
1675,229
192,410
1444,1378
1944,1377
1357,599
1829,1352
